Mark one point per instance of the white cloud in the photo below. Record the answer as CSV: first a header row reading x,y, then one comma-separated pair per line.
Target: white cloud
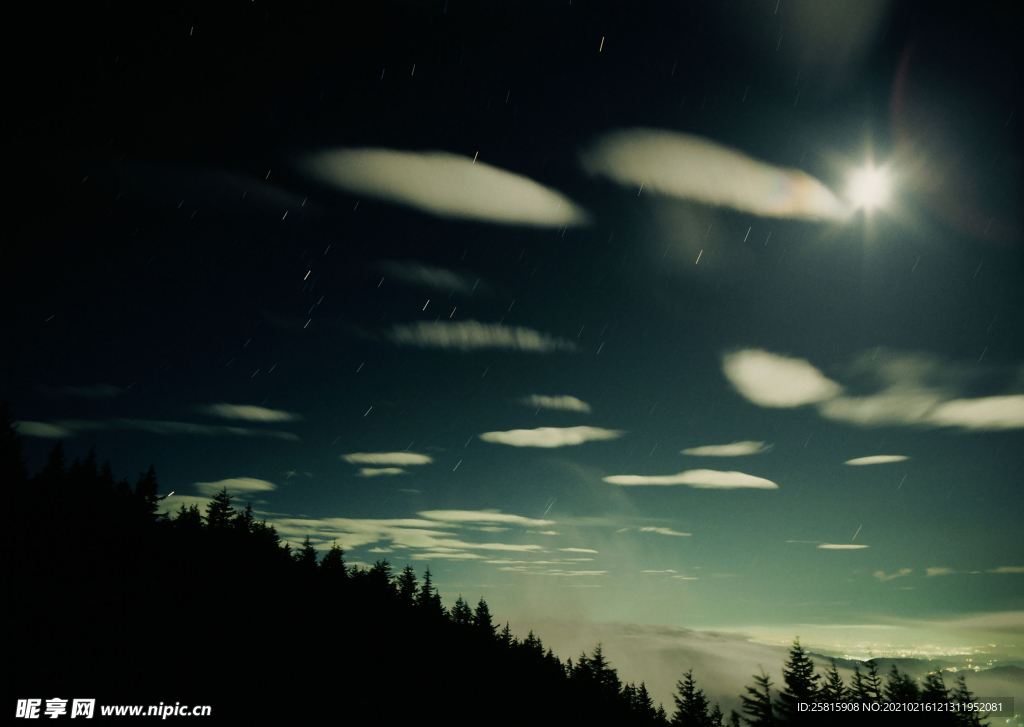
x,y
685,578
235,485
834,546
43,430
425,276
710,479
876,459
473,336
938,571
667,570
482,516
447,185
577,550
248,413
736,449
1008,569
445,556
990,413
663,531
882,576
695,168
573,573
550,436
378,471
396,458
565,403
768,379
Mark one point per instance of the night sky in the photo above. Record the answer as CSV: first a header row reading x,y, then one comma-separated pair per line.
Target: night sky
x,y
490,287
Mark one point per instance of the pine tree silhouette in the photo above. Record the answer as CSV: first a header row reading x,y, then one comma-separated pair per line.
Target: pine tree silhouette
x,y
407,586
691,704
833,689
462,614
219,512
482,620
333,563
801,686
901,687
757,703
306,555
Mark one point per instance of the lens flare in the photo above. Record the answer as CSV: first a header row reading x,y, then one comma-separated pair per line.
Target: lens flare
x,y
870,188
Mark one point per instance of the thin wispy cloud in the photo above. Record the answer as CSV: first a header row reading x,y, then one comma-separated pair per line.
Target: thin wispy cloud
x,y
248,413
667,570
563,403
446,185
698,169
468,336
402,459
549,437
419,275
70,428
736,449
235,486
577,550
663,531
876,459
841,546
883,576
1008,569
43,430
770,380
482,516
930,572
380,471
704,479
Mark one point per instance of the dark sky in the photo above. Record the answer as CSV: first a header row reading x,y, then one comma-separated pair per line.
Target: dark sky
x,y
445,282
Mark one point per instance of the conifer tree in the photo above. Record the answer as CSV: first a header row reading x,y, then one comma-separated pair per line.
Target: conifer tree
x,y
606,678
963,695
505,637
188,519
145,491
833,689
715,717
219,512
873,683
482,619
428,598
801,684
243,521
644,704
306,555
691,704
379,577
757,703
462,614
334,562
407,585
901,687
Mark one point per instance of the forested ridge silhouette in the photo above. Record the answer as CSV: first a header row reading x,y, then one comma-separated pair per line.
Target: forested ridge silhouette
x,y
110,599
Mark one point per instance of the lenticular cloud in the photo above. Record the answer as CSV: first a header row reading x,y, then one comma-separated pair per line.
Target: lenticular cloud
x,y
447,185
698,169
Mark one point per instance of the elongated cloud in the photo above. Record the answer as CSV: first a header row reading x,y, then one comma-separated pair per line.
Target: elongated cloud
x,y
698,169
1008,569
394,458
248,413
988,413
70,428
577,550
380,471
736,449
931,572
473,336
482,516
770,380
425,276
550,436
43,430
702,479
446,185
564,403
663,531
235,486
841,546
876,459
883,576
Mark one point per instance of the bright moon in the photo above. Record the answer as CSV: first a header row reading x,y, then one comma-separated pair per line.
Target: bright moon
x,y
869,188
